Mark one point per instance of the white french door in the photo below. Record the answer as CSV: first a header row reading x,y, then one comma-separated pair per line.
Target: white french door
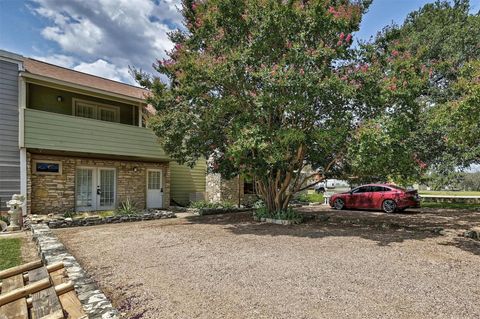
x,y
95,188
154,188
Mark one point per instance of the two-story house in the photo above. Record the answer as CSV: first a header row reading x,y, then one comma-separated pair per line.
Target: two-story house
x,y
74,141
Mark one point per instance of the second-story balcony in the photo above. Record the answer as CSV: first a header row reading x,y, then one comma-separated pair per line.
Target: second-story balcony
x,y
66,133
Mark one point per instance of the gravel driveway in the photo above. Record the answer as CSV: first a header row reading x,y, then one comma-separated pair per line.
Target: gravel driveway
x,y
229,267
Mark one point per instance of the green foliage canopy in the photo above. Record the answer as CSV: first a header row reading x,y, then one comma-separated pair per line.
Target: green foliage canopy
x,y
265,87
256,88
440,127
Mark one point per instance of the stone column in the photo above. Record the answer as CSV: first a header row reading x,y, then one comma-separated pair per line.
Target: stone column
x,y
219,189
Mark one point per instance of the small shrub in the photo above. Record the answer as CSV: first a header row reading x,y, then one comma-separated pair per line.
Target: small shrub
x,y
206,205
202,204
259,204
310,198
288,214
127,207
70,213
226,205
5,219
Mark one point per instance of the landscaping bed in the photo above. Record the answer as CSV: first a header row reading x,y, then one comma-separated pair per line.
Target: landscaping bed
x,y
208,208
59,221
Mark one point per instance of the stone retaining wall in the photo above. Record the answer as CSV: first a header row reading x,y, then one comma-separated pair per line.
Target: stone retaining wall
x,y
61,222
95,304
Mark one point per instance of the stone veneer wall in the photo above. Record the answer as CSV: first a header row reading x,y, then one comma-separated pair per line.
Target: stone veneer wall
x,y
219,189
213,184
55,193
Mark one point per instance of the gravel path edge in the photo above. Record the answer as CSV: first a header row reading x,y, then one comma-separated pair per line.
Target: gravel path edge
x,y
95,304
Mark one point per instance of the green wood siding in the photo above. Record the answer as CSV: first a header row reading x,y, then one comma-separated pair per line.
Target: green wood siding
x,y
184,181
52,131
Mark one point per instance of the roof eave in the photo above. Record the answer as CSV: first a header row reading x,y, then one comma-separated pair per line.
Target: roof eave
x,y
81,87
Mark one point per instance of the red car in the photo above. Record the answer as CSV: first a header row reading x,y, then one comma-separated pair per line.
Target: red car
x,y
386,197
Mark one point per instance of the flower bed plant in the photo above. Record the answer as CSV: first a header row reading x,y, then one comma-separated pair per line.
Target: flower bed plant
x,y
284,217
204,204
224,207
127,207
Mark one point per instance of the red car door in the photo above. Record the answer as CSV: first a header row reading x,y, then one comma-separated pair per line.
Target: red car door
x,y
366,200
358,197
378,194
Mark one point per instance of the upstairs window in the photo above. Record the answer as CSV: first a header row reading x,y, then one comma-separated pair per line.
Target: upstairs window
x,y
93,110
83,109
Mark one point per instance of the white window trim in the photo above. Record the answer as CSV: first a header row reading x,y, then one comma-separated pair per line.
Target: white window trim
x,y
161,177
95,178
97,106
47,161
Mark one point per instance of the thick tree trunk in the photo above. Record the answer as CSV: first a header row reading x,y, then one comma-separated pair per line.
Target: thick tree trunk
x,y
276,199
278,187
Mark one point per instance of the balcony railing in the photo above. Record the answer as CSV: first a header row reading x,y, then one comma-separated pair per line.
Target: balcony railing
x,y
58,132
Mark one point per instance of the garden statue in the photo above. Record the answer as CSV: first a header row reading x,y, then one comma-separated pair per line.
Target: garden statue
x,y
15,205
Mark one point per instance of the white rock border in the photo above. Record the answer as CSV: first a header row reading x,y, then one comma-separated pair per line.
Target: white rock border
x,y
95,304
277,221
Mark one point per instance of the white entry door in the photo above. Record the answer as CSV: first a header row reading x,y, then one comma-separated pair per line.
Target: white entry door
x,y
95,189
154,188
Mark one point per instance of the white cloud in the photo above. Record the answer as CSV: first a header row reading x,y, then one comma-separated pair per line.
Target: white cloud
x,y
114,34
104,69
58,59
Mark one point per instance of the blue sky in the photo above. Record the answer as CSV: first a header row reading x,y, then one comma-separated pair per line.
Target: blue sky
x,y
104,37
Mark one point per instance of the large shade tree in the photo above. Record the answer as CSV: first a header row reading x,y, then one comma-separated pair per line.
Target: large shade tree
x,y
264,88
442,131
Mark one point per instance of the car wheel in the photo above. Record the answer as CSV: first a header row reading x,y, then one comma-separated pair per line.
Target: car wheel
x,y
389,206
320,190
339,204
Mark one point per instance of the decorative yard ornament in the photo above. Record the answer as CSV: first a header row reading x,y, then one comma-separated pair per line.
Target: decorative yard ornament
x,y
15,205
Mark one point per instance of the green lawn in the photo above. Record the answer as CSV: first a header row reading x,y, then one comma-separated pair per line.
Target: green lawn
x,y
449,193
311,198
10,252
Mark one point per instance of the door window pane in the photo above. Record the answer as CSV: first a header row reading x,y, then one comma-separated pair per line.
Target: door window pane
x,y
154,179
84,187
107,187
